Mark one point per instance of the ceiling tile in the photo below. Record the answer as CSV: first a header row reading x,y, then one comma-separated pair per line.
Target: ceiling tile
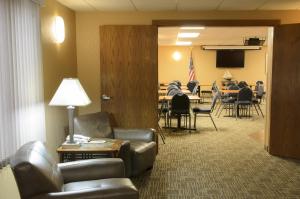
x,y
281,5
198,4
108,5
241,4
154,5
78,5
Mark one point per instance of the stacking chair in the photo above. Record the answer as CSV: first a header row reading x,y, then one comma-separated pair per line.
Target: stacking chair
x,y
206,111
205,93
160,130
193,86
174,91
173,86
180,106
259,88
244,101
176,83
242,84
228,100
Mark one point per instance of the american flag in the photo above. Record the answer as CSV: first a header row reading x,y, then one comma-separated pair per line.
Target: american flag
x,y
192,75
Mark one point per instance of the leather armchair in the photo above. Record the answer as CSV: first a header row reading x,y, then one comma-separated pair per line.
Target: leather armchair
x,y
39,177
139,148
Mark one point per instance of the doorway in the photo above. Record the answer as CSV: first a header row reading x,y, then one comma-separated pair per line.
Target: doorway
x,y
205,46
281,137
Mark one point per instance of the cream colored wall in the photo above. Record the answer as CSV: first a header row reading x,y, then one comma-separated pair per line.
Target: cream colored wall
x,y
59,61
87,32
8,186
205,65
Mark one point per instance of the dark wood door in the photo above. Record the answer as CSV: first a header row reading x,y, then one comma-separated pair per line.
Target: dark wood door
x,y
285,94
129,74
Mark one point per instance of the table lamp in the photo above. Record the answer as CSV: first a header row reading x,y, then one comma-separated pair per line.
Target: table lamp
x,y
70,94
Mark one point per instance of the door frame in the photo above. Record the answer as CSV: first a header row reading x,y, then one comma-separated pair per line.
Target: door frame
x,y
234,23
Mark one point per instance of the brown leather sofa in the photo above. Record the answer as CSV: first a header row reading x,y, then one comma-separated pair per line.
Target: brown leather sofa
x,y
39,177
139,148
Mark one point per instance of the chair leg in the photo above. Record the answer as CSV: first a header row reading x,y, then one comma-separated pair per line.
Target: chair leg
x,y
260,110
236,111
190,123
213,122
217,110
256,109
165,118
160,132
221,110
195,117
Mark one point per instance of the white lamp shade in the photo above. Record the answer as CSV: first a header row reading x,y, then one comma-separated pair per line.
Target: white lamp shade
x,y
70,93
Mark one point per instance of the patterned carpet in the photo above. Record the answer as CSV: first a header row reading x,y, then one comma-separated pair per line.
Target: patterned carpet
x,y
230,163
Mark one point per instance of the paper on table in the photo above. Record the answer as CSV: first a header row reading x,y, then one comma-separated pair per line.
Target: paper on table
x,y
97,141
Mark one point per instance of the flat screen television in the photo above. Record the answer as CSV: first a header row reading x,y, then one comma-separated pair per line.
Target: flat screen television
x,y
230,58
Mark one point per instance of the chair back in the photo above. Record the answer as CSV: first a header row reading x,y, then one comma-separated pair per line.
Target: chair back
x,y
174,92
214,86
35,171
233,87
259,88
242,84
180,104
96,125
214,100
193,86
176,83
172,86
245,95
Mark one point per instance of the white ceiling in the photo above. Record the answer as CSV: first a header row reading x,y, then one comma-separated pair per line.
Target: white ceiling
x,y
212,35
179,5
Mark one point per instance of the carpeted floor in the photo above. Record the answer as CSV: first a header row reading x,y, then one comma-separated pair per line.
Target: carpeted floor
x,y
230,163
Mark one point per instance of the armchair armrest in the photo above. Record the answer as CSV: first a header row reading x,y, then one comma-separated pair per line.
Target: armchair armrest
x,y
145,135
120,188
94,169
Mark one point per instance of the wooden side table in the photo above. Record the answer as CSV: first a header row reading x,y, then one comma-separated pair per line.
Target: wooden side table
x,y
110,148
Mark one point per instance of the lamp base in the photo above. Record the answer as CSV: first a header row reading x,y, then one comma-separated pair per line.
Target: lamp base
x,y
68,145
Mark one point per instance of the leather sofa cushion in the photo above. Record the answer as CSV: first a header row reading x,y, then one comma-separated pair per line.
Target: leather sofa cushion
x,y
117,187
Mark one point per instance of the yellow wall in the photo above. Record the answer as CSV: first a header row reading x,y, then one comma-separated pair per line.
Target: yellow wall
x,y
205,65
87,31
59,61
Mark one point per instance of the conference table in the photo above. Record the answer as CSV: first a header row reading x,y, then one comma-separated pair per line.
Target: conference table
x,y
166,87
164,92
169,98
224,91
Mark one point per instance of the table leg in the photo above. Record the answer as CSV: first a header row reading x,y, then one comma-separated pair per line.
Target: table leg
x,y
179,122
61,157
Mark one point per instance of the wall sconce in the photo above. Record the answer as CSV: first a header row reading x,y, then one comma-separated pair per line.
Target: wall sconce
x,y
58,29
176,56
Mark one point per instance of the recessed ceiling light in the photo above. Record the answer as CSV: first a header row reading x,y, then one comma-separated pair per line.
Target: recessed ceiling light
x,y
192,28
183,43
188,34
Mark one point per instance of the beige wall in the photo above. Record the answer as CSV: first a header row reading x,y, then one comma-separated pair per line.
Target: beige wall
x,y
205,65
59,61
87,32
